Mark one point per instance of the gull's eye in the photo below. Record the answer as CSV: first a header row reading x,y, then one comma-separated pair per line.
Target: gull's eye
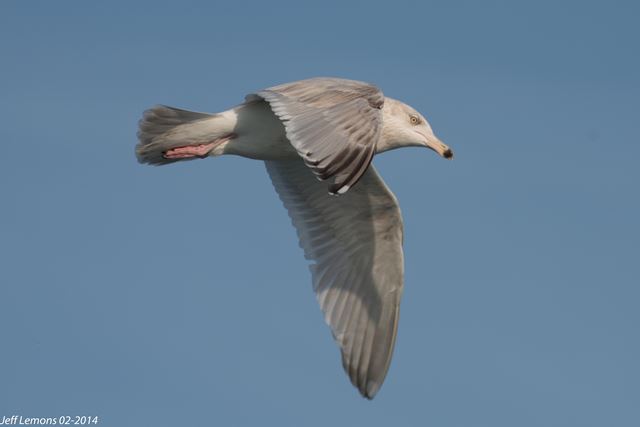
x,y
415,120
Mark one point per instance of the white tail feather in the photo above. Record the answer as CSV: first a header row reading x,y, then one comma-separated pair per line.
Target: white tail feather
x,y
162,128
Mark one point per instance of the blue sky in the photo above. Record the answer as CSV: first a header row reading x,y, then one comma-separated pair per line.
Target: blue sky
x,y
521,297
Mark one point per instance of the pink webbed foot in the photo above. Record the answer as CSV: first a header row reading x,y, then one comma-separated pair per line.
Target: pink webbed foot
x,y
189,151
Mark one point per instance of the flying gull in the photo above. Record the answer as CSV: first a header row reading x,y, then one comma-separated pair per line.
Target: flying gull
x,y
317,138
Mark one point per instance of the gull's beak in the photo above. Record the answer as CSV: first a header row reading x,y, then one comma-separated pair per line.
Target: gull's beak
x,y
438,146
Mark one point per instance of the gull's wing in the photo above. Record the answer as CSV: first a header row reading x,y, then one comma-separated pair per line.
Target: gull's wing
x,y
334,124
355,244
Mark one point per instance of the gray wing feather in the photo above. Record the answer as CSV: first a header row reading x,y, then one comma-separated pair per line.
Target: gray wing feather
x,y
334,124
355,244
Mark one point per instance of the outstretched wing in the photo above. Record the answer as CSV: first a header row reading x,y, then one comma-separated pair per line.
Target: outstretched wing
x,y
355,244
334,124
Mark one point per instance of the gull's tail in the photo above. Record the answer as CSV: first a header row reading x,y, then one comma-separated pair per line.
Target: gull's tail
x,y
165,128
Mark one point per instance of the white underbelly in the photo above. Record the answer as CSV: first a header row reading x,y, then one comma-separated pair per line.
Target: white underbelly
x,y
259,134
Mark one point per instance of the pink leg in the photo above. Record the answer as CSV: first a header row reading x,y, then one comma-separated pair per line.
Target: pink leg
x,y
190,151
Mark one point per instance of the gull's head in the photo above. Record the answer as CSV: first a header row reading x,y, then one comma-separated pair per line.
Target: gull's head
x,y
403,126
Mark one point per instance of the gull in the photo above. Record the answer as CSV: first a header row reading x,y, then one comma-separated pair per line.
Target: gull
x,y
317,138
